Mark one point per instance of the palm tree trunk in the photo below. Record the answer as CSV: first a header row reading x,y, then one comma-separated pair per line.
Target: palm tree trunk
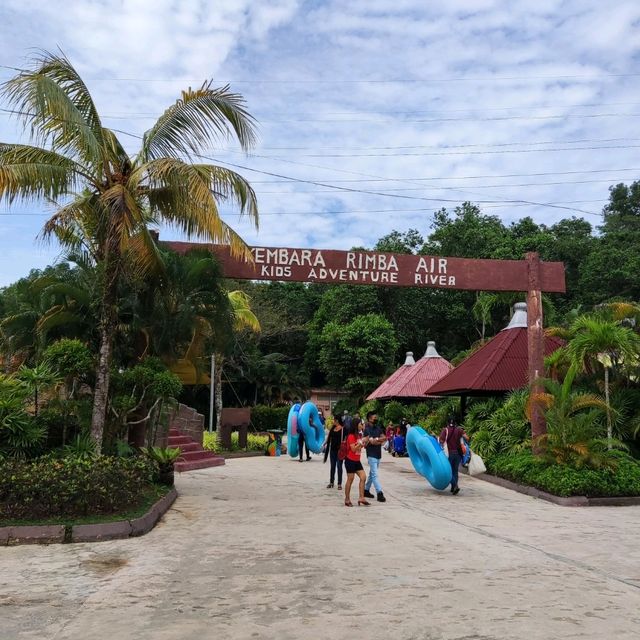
x,y
103,371
218,394
606,399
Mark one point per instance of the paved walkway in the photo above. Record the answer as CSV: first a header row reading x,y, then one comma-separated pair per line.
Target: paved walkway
x,y
260,549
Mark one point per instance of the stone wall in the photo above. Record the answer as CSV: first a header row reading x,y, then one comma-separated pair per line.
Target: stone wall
x,y
186,420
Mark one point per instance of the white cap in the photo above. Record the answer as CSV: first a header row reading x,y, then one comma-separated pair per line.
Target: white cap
x,y
409,360
431,350
519,317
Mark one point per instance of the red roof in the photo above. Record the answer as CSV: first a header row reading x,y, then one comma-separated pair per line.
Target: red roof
x,y
499,365
411,381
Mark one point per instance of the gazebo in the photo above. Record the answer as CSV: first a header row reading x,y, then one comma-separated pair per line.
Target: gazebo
x,y
497,367
412,379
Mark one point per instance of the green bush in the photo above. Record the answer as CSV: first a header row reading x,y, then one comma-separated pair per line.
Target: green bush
x,y
49,487
394,411
563,480
255,442
265,418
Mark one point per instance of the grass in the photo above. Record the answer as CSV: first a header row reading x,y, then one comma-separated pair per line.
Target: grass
x,y
154,494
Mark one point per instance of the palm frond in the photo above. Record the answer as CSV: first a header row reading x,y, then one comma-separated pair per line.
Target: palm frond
x,y
56,106
182,195
196,121
33,173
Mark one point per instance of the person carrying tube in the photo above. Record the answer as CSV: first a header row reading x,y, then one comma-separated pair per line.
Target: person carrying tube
x,y
451,436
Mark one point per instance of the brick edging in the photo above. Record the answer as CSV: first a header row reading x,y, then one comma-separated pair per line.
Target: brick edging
x,y
59,533
242,454
570,501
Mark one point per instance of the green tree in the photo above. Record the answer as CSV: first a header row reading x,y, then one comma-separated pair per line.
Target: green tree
x,y
106,198
356,355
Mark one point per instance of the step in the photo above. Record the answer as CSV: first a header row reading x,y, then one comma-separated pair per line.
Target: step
x,y
189,446
196,455
176,441
192,465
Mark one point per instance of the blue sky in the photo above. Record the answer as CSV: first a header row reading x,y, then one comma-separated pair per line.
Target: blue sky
x,y
509,104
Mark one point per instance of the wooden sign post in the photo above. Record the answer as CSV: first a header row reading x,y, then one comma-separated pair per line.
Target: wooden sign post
x,y
403,270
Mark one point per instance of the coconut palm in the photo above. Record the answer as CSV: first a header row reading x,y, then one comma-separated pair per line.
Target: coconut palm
x,y
104,198
600,343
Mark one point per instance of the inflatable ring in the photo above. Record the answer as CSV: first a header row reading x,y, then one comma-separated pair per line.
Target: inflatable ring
x,y
312,428
428,458
292,431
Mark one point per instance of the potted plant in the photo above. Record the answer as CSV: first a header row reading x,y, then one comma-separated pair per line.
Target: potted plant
x,y
164,458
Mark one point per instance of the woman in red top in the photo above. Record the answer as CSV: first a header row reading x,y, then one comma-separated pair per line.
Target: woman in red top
x,y
352,464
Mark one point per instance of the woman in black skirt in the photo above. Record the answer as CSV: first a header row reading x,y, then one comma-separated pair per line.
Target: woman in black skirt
x,y
355,443
331,447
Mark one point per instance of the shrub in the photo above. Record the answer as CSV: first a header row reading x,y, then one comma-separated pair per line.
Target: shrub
x,y
265,418
48,487
255,442
394,411
564,480
20,435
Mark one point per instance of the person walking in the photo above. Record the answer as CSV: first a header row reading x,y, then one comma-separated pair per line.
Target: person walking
x,y
302,443
353,466
375,438
452,434
331,447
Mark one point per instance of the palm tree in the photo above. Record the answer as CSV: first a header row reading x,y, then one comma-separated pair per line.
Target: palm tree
x,y
572,423
106,199
597,342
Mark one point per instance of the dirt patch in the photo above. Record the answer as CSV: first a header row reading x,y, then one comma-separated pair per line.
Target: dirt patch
x,y
105,564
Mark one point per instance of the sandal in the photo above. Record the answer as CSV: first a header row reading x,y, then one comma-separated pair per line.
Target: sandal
x,y
347,503
364,503
330,485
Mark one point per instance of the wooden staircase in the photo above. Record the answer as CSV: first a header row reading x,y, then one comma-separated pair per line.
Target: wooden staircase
x,y
193,455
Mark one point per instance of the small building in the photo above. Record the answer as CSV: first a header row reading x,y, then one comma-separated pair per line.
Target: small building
x,y
326,399
412,379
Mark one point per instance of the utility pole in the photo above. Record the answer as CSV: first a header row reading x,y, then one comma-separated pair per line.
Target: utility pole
x,y
211,391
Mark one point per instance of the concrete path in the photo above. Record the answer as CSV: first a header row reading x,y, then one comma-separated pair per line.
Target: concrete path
x,y
260,549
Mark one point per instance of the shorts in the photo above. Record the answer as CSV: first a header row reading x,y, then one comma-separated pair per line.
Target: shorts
x,y
352,466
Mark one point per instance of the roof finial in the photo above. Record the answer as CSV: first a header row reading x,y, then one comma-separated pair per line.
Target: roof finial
x,y
431,350
519,317
409,360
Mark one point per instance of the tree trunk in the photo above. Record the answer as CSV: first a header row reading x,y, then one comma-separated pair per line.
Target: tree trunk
x,y
535,349
218,394
101,392
103,371
606,399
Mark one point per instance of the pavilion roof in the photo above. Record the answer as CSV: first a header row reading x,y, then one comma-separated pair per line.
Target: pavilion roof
x,y
498,366
413,378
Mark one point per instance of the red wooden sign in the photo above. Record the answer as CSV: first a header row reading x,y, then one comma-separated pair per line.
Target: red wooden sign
x,y
385,269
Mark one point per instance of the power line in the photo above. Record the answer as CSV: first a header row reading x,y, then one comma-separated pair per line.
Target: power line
x,y
412,80
488,205
475,177
350,189
457,153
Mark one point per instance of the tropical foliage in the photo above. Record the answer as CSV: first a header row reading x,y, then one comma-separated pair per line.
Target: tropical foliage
x,y
105,199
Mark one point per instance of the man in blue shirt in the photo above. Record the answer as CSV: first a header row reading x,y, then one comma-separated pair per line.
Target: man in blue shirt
x,y
376,438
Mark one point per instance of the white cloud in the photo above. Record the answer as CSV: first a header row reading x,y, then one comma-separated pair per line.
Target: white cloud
x,y
500,76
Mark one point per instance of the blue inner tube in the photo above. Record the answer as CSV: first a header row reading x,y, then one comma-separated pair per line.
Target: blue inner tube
x,y
292,431
428,458
467,456
310,425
